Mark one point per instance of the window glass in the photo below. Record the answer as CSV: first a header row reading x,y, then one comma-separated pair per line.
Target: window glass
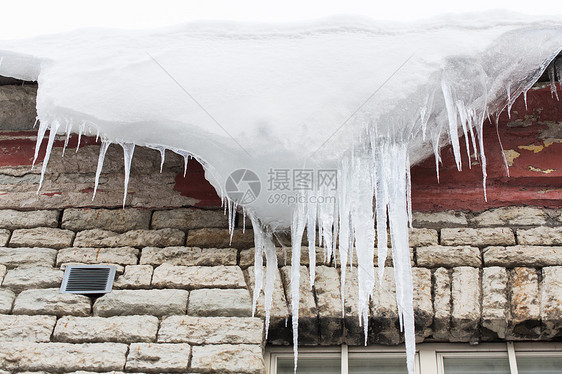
x,y
306,365
476,365
539,365
381,365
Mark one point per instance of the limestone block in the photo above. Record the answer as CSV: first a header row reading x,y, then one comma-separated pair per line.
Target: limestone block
x,y
540,236
216,302
23,278
139,302
423,237
522,255
14,257
511,216
158,358
6,300
495,305
4,237
383,327
220,238
26,328
328,296
135,276
194,277
118,220
51,301
211,330
120,329
14,219
122,256
442,304
247,257
466,310
241,358
62,357
18,106
189,218
443,256
551,301
423,305
478,237
42,237
189,256
134,238
524,322
439,219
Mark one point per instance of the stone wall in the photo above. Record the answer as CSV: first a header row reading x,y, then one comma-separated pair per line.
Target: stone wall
x,y
182,296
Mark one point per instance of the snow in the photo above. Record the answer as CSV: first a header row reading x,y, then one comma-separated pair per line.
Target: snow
x,y
362,99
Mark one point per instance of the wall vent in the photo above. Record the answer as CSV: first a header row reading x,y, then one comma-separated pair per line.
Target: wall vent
x,y
88,279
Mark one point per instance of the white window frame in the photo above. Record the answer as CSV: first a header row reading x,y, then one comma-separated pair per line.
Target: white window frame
x,y
429,356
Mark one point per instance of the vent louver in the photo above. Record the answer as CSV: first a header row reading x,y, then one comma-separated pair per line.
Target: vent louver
x,y
88,279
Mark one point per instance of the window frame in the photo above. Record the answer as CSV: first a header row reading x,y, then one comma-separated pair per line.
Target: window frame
x,y
429,356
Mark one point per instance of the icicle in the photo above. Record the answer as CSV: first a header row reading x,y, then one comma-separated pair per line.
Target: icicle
x,y
311,233
52,134
43,126
453,124
259,244
68,130
35,123
297,229
270,276
525,99
509,101
128,150
552,78
80,131
103,149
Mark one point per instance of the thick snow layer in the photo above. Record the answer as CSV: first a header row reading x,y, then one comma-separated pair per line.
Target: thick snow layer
x,y
287,102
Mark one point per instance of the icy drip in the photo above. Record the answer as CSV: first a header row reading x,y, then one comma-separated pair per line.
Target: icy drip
x,y
103,150
128,150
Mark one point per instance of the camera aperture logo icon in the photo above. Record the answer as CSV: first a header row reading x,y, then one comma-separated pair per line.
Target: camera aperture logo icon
x,y
243,186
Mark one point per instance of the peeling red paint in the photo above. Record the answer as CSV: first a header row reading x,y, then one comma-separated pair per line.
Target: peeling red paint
x,y
195,185
51,194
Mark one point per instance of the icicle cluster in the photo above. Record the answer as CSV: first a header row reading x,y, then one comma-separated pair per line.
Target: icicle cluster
x,y
473,72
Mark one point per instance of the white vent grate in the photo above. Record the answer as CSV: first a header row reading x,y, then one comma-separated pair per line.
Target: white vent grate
x,y
88,279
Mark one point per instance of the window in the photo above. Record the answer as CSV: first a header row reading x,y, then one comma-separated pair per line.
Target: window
x,y
486,358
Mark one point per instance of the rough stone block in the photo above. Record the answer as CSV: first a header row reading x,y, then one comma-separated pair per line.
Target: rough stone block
x,y
121,329
423,305
3,271
383,327
442,304
439,220
495,305
247,257
4,237
216,302
14,257
14,219
135,276
242,358
123,256
551,301
328,296
23,278
524,321
355,335
442,256
211,330
466,310
478,237
220,238
423,237
511,216
6,300
134,238
118,220
194,277
138,302
18,103
42,237
189,218
189,256
522,255
158,358
62,357
540,236
51,301
308,312
26,328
